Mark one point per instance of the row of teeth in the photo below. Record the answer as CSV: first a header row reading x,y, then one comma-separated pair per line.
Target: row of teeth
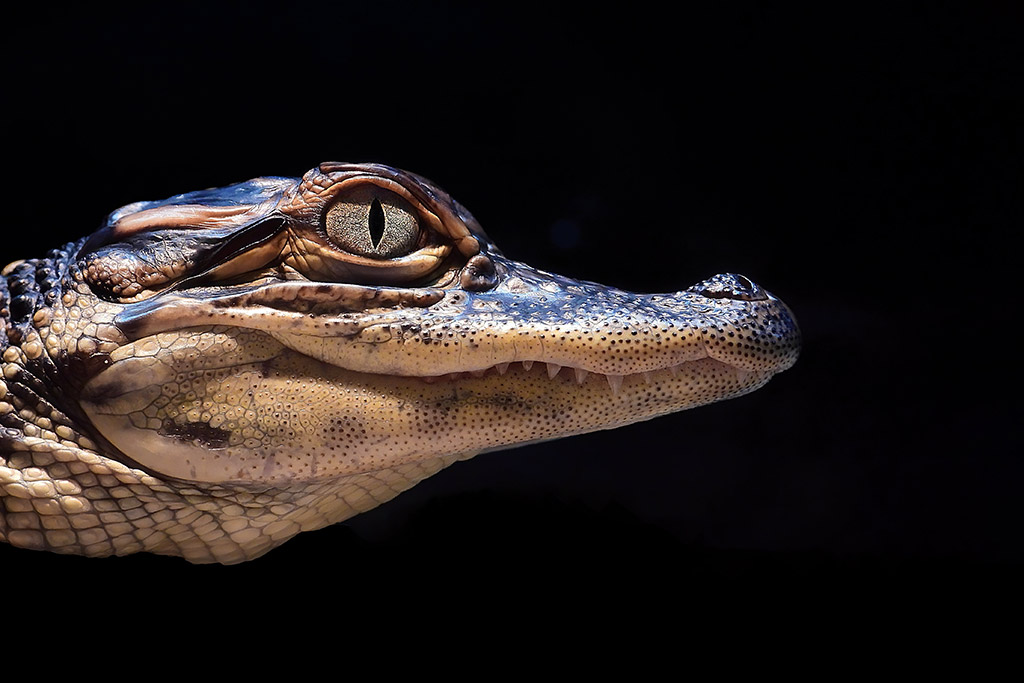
x,y
614,381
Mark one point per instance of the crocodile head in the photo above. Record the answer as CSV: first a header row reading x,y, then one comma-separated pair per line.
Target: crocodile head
x,y
211,374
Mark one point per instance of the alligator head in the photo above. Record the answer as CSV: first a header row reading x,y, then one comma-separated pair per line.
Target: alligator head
x,y
211,374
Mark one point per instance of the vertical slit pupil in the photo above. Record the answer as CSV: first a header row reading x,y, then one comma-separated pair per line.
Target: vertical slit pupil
x,y
376,222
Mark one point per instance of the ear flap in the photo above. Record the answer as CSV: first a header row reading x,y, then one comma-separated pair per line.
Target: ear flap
x,y
147,247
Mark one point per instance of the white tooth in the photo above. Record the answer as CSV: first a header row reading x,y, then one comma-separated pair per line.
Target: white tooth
x,y
527,364
615,382
742,375
581,375
674,370
553,369
502,368
647,377
477,373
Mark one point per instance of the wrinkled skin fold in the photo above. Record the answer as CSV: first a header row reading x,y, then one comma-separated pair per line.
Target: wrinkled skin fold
x,y
209,375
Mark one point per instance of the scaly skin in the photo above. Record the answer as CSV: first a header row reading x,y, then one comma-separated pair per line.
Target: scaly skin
x,y
209,375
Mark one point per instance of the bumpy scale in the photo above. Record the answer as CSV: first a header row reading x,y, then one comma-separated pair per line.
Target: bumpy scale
x,y
209,375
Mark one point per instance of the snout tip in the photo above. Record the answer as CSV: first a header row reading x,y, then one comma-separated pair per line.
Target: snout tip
x,y
730,286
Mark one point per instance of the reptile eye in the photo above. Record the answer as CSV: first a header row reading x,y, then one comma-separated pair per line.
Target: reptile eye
x,y
373,222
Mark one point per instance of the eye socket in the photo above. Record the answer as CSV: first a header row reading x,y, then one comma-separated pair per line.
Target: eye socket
x,y
373,222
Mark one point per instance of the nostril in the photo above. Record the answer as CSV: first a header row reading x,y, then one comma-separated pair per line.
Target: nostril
x,y
730,286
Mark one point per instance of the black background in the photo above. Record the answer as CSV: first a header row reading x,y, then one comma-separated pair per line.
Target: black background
x,y
863,164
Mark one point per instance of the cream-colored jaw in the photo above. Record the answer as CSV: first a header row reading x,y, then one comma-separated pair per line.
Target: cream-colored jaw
x,y
248,409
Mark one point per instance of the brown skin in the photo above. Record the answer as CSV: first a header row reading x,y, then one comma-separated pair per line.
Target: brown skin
x,y
210,375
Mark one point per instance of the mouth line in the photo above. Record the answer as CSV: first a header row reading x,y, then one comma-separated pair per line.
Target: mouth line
x,y
570,373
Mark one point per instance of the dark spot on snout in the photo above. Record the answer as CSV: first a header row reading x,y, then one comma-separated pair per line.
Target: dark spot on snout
x,y
199,433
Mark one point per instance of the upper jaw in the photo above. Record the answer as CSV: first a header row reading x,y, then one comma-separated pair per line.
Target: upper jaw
x,y
529,316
